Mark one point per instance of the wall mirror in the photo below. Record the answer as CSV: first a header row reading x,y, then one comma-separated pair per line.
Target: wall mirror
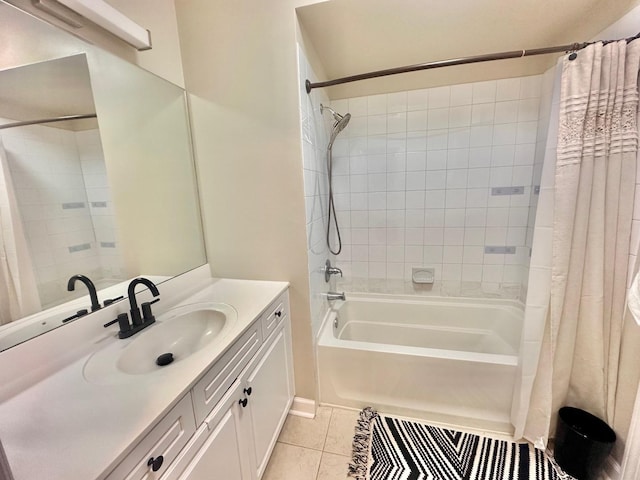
x,y
111,196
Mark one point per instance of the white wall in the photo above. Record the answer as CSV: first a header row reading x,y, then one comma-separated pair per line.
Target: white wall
x,y
241,72
414,173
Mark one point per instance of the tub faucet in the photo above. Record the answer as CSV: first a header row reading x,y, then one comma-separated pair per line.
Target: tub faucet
x,y
71,286
329,270
331,296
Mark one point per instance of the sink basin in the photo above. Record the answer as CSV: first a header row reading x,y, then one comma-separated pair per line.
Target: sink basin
x,y
181,332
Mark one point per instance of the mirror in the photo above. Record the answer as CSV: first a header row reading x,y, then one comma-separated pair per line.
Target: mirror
x,y
112,198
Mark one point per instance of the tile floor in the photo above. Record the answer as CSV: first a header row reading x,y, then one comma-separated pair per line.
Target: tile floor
x,y
314,449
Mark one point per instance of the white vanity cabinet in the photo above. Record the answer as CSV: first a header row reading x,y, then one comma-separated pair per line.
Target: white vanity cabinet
x,y
239,406
270,396
219,447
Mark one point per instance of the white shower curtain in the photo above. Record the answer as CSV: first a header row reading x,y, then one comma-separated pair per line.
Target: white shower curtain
x,y
18,289
595,175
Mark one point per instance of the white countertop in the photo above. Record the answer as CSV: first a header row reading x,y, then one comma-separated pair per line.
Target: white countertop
x,y
64,427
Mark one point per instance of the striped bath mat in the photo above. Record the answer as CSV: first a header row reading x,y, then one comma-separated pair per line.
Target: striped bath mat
x,y
386,448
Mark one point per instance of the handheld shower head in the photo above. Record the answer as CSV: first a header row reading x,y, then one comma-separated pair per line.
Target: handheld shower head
x,y
340,123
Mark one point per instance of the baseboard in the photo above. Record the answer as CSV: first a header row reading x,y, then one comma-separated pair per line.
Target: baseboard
x,y
612,470
303,407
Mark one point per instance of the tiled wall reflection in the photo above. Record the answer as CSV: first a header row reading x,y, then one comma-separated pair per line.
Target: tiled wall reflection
x,y
61,187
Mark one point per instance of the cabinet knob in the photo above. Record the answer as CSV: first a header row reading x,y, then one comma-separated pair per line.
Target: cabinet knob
x,y
278,313
155,463
248,391
243,402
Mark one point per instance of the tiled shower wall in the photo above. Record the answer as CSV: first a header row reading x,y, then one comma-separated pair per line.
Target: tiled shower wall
x,y
314,142
440,178
58,213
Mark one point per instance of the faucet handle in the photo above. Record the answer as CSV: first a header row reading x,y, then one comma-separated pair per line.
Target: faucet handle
x,y
123,322
109,301
147,314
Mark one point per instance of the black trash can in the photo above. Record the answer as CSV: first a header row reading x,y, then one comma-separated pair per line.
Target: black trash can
x,y
583,443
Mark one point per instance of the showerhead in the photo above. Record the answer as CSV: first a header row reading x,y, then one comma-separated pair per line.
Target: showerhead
x,y
340,123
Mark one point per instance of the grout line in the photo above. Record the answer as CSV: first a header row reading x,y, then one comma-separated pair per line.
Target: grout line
x,y
326,435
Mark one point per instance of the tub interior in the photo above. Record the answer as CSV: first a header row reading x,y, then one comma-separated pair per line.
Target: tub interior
x,y
477,328
443,338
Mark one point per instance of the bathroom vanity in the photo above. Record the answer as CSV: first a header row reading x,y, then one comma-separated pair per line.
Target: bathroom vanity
x,y
106,412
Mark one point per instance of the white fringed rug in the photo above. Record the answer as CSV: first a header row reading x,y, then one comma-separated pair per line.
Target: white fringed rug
x,y
386,448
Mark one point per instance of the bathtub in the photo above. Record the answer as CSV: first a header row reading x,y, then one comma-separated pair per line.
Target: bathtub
x,y
448,360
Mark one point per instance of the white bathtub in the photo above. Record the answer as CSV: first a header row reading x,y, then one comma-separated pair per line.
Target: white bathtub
x,y
449,360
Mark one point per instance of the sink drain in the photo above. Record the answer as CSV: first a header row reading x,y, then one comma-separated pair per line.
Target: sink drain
x,y
164,359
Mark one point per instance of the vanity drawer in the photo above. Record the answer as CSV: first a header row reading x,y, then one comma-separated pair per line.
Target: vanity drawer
x,y
275,314
166,440
212,387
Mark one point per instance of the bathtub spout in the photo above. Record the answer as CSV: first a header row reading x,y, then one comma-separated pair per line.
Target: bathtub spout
x,y
331,296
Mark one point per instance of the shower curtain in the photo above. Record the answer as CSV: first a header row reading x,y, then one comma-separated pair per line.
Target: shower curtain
x,y
18,289
593,197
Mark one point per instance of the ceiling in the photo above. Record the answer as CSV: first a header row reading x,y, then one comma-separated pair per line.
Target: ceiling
x,y
357,36
48,89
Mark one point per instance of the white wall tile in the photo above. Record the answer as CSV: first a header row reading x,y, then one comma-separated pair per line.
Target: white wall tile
x,y
416,161
415,174
376,125
453,236
397,102
457,158
437,159
416,142
505,134
438,119
503,155
439,97
376,104
508,89
417,100
434,217
435,179
460,116
457,178
461,94
432,254
456,198
484,92
483,114
396,122
415,199
434,198
454,217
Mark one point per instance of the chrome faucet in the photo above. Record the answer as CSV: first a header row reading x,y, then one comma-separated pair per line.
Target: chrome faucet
x,y
329,270
71,286
331,296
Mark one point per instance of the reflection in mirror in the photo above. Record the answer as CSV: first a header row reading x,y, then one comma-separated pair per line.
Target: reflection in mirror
x,y
111,203
58,180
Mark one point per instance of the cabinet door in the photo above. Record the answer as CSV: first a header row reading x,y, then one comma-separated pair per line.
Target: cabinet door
x,y
223,456
270,399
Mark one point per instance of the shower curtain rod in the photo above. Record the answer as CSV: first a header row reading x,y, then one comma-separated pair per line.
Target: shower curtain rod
x,y
454,61
48,120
